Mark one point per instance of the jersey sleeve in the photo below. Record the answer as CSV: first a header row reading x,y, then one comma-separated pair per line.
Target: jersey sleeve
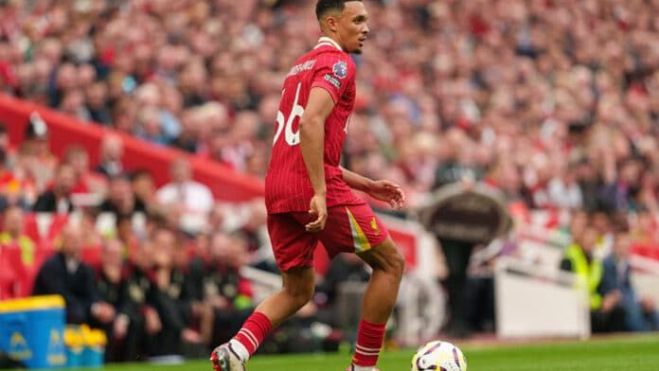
x,y
333,74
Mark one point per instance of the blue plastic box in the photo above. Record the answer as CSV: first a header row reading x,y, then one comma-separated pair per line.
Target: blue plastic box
x,y
92,357
32,331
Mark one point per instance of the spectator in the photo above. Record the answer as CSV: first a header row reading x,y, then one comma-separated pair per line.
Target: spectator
x,y
224,289
564,191
112,152
58,198
40,164
150,128
64,274
152,98
189,199
86,181
124,332
10,186
73,104
129,236
188,138
121,200
172,298
640,312
254,231
109,285
13,236
139,302
606,311
97,105
144,188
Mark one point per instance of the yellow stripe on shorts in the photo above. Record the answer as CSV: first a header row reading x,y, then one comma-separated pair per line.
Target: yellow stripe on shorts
x,y
358,236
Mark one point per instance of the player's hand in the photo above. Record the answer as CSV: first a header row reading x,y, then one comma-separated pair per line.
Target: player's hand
x,y
317,207
389,192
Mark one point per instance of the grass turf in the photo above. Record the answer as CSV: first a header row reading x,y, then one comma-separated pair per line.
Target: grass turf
x,y
640,353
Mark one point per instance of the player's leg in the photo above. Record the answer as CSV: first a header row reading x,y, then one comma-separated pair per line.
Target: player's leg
x,y
297,290
293,249
356,229
382,291
378,302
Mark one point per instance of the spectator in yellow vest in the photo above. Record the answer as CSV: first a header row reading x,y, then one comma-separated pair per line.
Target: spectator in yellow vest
x,y
12,234
607,313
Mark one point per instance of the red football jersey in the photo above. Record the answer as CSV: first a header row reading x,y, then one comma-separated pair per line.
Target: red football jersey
x,y
287,184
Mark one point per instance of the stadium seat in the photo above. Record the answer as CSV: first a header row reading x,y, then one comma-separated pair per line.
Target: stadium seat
x,y
7,275
19,272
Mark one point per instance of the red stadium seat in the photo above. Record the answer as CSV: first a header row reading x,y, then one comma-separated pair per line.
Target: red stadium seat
x,y
7,274
19,273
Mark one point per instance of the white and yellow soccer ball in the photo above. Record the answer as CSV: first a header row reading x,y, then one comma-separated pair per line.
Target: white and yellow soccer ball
x,y
439,356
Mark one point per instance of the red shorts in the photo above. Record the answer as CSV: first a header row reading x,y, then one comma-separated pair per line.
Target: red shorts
x,y
352,228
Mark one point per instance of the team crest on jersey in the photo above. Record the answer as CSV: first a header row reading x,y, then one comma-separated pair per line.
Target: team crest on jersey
x,y
374,226
340,69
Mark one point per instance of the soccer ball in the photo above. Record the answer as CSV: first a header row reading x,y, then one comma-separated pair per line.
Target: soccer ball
x,y
440,356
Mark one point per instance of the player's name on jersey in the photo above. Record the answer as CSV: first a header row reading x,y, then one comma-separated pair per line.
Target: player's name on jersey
x,y
301,67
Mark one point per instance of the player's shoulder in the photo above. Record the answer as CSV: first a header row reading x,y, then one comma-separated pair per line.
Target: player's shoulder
x,y
332,54
338,61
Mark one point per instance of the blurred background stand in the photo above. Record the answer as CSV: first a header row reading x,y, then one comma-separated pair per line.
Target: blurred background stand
x,y
463,215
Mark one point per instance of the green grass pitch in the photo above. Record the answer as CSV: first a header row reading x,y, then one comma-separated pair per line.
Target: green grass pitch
x,y
640,353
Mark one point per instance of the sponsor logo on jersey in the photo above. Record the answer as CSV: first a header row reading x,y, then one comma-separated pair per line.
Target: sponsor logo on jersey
x,y
333,80
340,69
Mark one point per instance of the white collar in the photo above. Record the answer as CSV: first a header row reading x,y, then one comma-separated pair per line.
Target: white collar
x,y
324,40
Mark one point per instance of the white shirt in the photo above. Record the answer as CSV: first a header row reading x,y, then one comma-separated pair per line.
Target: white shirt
x,y
194,197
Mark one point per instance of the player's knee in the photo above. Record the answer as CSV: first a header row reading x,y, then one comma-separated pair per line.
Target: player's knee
x,y
393,262
397,264
390,260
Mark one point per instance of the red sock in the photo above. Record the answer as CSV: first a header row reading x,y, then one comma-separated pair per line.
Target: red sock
x,y
369,342
254,330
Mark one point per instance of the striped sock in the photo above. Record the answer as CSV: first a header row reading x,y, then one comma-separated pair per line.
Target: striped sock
x,y
359,368
251,335
369,342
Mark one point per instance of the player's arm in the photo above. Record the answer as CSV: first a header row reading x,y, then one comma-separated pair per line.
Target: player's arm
x,y
356,181
312,144
382,190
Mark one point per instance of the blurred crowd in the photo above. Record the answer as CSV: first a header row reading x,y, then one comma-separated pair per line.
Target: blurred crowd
x,y
599,254
555,102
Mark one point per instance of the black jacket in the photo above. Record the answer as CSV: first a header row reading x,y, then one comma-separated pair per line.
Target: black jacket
x,y
77,288
47,202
